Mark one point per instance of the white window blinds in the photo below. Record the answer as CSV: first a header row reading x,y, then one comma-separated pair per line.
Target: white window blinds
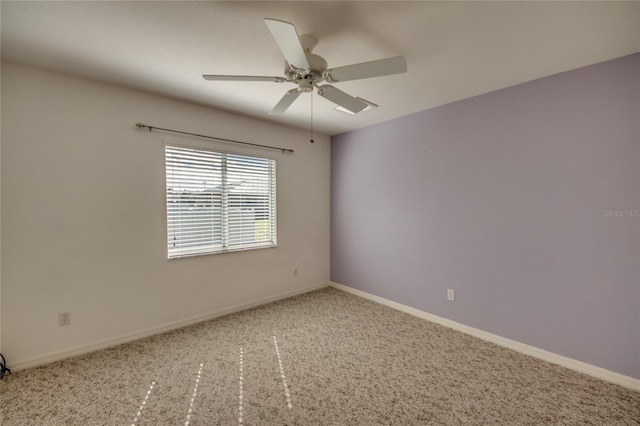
x,y
218,202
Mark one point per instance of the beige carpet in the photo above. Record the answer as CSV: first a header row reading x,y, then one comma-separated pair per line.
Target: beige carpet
x,y
323,358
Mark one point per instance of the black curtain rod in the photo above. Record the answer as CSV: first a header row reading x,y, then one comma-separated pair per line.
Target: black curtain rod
x,y
140,125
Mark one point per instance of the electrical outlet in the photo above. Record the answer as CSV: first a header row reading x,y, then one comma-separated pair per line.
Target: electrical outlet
x,y
451,295
295,272
64,318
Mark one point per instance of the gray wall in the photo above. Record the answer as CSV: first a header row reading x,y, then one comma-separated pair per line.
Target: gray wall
x,y
84,216
515,199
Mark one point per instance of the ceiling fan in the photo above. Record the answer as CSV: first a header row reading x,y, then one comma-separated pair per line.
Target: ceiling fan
x,y
307,70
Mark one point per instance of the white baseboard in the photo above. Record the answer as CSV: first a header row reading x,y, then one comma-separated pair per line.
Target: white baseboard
x,y
582,367
130,337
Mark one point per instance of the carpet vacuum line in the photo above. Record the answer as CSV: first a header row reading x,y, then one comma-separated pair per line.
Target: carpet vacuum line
x,y
193,397
284,380
144,403
241,391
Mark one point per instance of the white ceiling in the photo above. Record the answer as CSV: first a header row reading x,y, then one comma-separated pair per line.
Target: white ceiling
x,y
454,50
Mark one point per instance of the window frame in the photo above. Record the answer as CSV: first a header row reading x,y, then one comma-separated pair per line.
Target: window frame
x,y
211,249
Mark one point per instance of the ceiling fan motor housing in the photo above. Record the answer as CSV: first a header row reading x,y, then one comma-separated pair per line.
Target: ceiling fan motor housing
x,y
317,67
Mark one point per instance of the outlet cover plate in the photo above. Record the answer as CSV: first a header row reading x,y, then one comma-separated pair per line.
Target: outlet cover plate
x,y
64,318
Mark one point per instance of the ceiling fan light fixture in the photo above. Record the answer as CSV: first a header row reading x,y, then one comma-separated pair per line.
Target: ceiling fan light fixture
x,y
370,105
305,85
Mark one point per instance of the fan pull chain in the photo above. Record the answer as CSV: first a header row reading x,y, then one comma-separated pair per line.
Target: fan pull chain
x,y
311,139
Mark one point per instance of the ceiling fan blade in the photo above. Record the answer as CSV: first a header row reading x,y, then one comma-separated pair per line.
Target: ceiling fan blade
x,y
285,102
395,65
212,77
288,41
341,98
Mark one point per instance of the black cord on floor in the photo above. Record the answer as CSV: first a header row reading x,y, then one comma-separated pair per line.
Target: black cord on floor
x,y
3,367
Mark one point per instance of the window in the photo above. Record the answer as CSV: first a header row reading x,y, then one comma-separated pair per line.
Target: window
x,y
218,202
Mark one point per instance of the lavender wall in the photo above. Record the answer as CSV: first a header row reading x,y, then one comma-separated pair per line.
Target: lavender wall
x,y
510,199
